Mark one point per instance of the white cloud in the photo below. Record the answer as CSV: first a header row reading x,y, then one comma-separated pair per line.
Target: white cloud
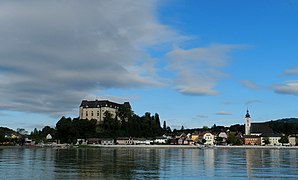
x,y
290,87
199,69
250,85
223,113
292,71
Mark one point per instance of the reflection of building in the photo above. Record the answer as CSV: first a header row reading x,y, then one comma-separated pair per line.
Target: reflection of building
x,y
96,109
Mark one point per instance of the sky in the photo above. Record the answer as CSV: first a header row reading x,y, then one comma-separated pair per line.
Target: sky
x,y
196,63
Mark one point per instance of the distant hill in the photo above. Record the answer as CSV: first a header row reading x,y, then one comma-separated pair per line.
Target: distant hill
x,y
5,130
287,120
284,126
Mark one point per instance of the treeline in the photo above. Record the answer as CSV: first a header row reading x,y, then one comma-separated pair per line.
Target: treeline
x,y
286,126
69,130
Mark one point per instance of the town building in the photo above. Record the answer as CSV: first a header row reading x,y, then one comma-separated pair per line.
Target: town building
x,y
256,129
209,138
293,140
96,109
257,133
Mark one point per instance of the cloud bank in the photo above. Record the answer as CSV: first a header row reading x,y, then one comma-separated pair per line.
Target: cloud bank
x,y
53,54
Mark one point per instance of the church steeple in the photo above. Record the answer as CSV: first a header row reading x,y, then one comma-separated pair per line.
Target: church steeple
x,y
247,123
247,114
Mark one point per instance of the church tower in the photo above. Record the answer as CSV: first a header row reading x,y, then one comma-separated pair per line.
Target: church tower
x,y
247,123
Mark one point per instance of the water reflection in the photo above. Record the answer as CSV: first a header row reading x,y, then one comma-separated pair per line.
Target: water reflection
x,y
147,163
271,163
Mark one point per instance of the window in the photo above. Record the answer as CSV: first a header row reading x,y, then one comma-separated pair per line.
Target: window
x,y
91,113
97,113
86,113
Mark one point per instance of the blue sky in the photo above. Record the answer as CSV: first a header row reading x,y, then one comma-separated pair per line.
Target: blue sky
x,y
196,63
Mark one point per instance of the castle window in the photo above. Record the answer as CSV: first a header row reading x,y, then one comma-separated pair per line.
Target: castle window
x,y
91,113
86,113
97,113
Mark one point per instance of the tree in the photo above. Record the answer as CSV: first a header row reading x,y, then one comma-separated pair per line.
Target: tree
x,y
266,141
65,130
234,140
164,126
182,128
283,140
48,130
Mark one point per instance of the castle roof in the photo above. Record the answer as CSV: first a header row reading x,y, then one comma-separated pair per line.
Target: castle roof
x,y
103,103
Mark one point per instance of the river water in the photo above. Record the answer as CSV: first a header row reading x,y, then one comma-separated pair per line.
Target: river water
x,y
147,163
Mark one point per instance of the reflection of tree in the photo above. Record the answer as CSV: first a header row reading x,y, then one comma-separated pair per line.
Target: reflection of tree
x,y
109,163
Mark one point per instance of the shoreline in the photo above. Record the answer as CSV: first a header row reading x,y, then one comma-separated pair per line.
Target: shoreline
x,y
66,146
191,147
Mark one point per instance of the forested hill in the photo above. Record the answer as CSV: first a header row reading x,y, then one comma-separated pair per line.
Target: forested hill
x,y
287,120
5,130
285,126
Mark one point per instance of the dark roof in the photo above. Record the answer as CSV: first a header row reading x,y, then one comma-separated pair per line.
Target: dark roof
x,y
103,103
262,128
251,136
271,135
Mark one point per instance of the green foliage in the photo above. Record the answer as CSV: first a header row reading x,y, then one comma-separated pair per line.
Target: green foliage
x,y
283,140
285,126
130,125
266,141
234,140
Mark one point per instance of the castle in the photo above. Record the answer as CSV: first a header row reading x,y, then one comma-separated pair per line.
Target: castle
x,y
96,109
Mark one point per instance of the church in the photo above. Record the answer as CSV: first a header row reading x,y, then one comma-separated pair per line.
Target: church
x,y
255,133
256,129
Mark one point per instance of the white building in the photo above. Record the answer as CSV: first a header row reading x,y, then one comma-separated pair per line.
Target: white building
x,y
209,138
273,140
96,109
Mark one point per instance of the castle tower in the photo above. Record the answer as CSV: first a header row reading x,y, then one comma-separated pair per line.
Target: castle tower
x,y
247,123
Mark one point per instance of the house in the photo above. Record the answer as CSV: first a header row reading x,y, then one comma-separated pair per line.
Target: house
x,y
161,140
293,140
195,137
100,141
209,138
273,139
96,109
93,141
222,138
143,141
252,140
49,137
106,141
81,142
125,141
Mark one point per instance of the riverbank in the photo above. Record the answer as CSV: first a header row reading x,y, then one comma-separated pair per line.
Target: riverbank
x,y
192,146
66,146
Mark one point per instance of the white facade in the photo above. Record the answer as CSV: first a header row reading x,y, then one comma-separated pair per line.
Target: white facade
x,y
96,109
292,140
209,138
96,113
273,141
